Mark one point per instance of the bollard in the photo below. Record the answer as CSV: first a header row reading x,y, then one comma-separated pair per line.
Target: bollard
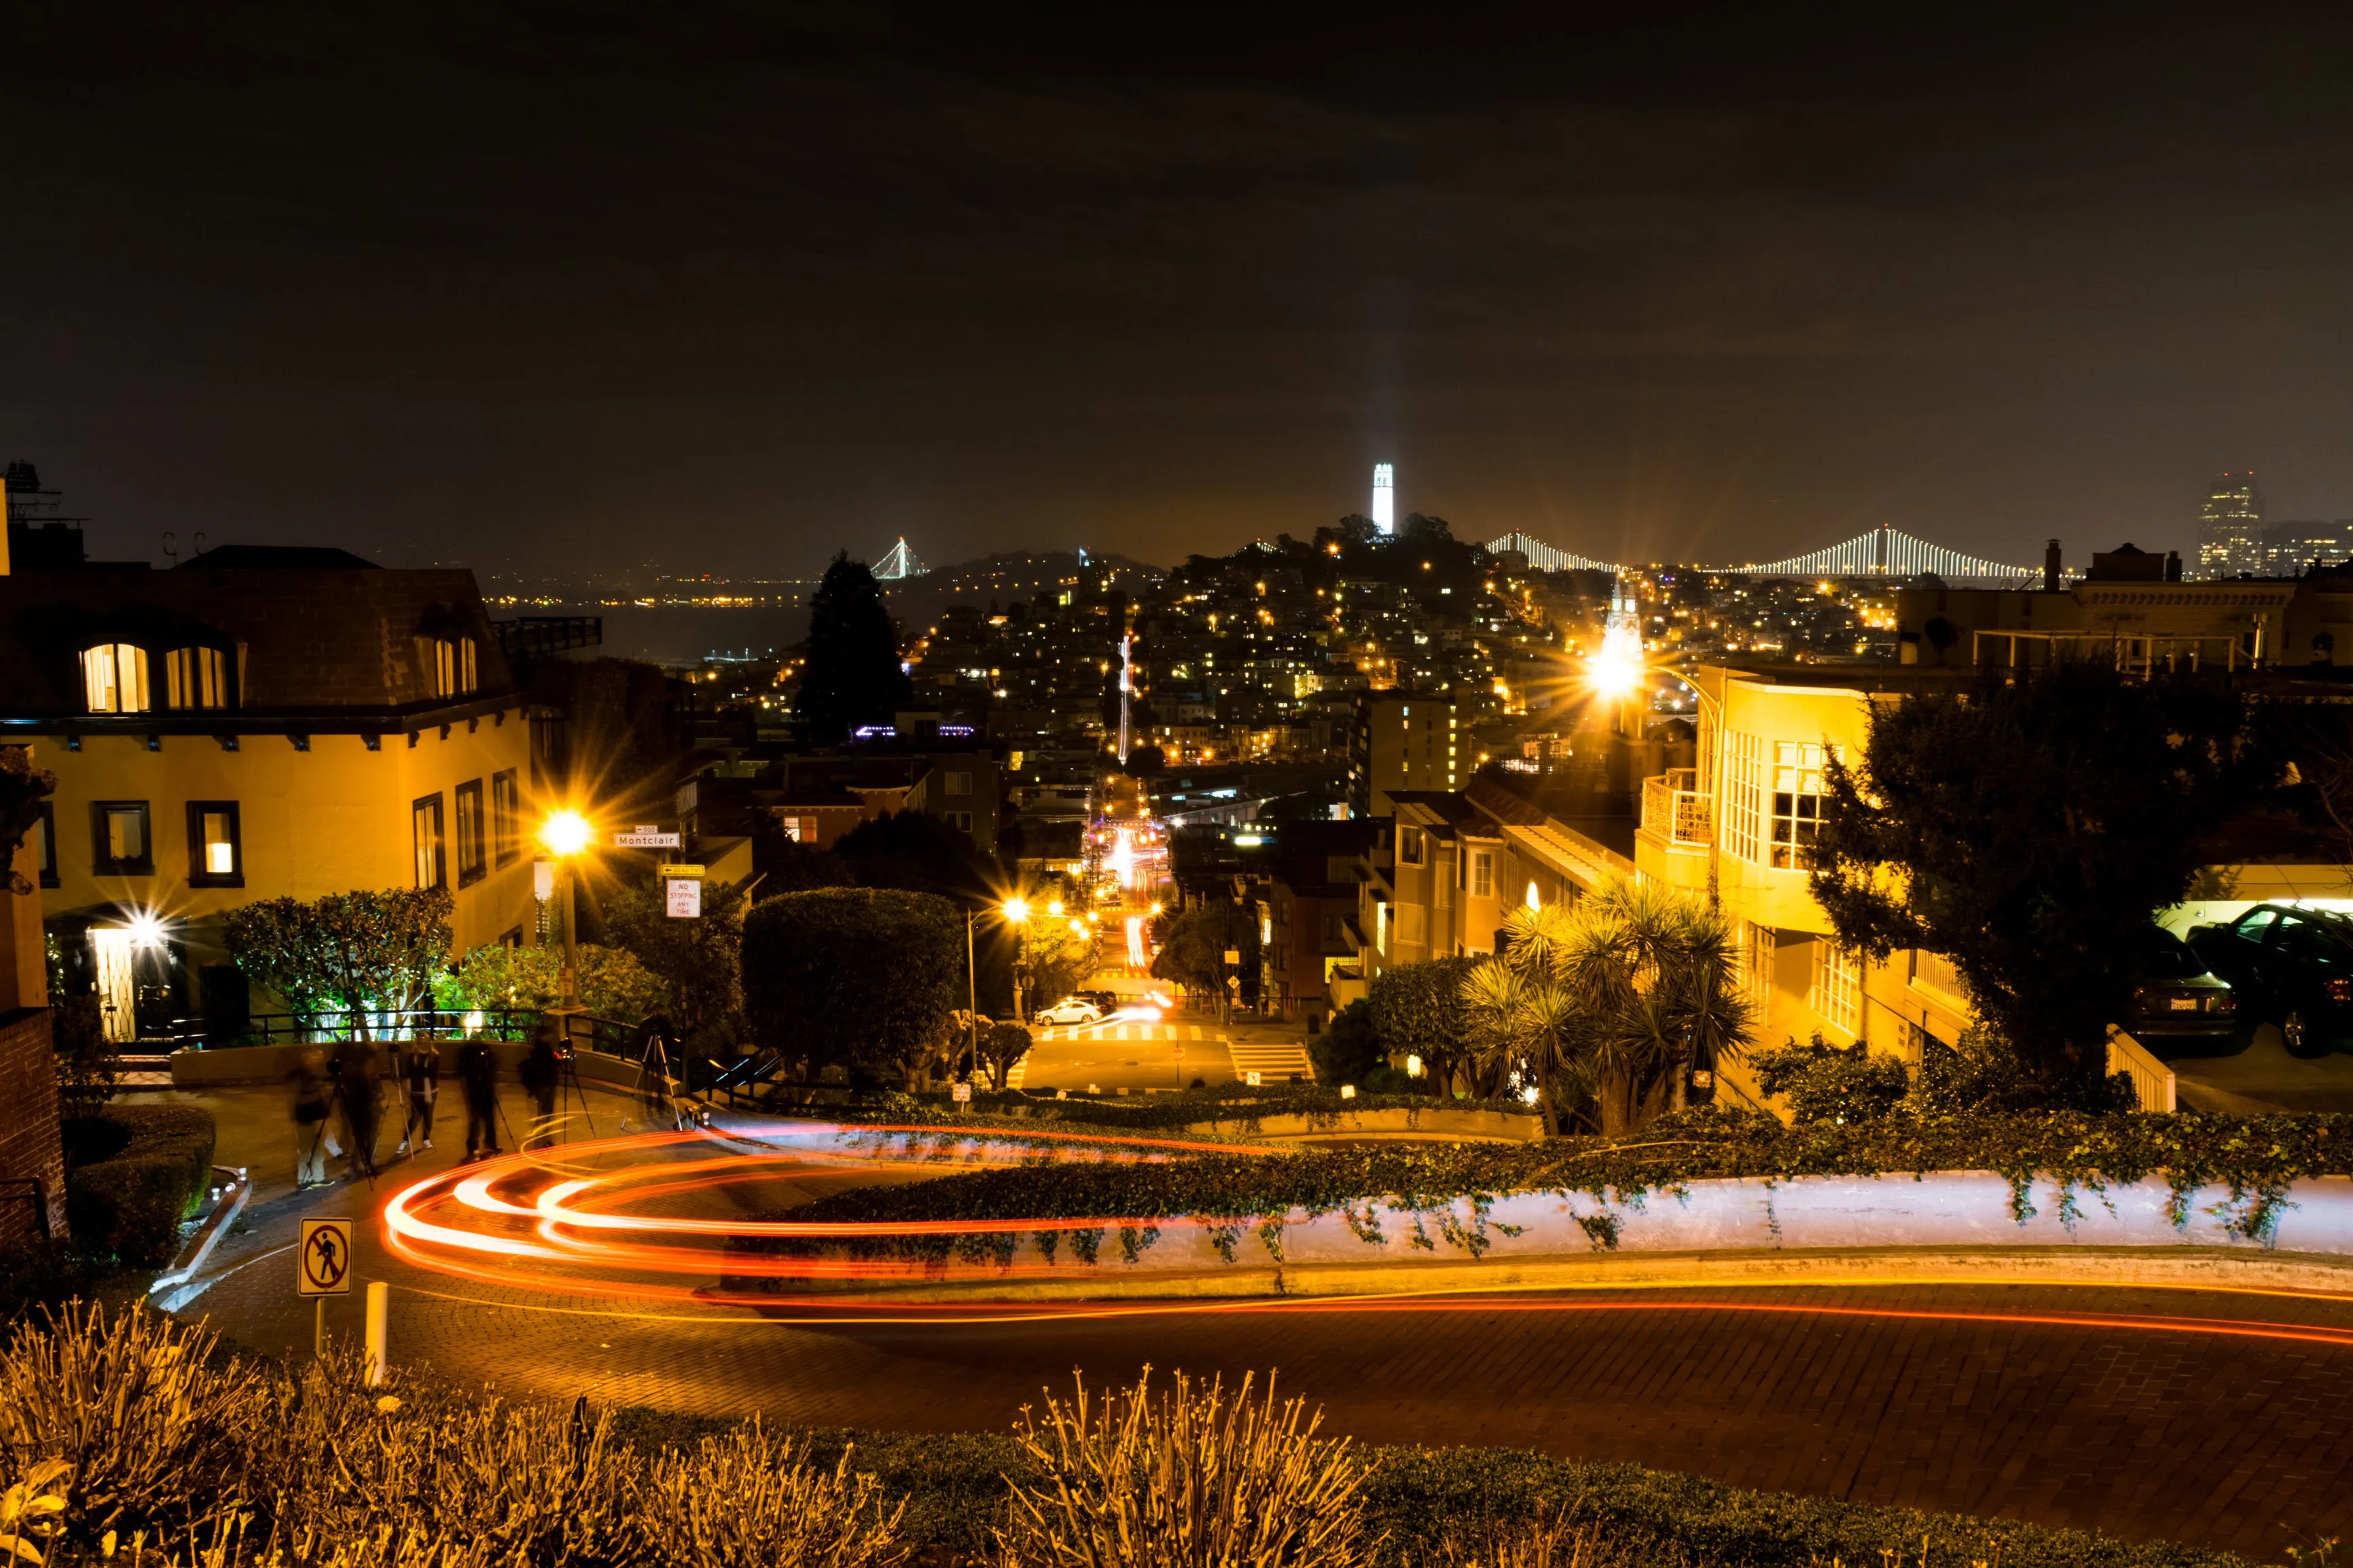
x,y
379,1326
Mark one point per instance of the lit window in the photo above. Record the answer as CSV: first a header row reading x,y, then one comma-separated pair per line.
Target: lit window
x,y
455,667
1744,794
425,818
119,839
216,848
196,678
1797,804
473,860
1409,849
1837,985
1483,874
114,677
506,815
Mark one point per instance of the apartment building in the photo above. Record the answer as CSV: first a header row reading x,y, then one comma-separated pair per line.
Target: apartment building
x,y
1400,740
256,722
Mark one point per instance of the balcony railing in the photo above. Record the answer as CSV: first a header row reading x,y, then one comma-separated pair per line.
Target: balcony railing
x,y
1675,812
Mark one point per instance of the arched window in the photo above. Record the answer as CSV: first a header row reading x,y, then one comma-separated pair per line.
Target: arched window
x,y
114,678
455,671
196,678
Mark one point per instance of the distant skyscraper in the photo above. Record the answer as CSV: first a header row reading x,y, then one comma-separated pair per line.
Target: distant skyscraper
x,y
2290,547
2231,528
1385,498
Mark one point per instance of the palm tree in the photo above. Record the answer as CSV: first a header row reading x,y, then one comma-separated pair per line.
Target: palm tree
x,y
1604,1007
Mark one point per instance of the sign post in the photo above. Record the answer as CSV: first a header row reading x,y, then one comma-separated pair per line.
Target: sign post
x,y
963,1095
322,1268
681,891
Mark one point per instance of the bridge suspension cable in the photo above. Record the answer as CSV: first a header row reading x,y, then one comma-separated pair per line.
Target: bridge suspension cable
x,y
898,564
1883,552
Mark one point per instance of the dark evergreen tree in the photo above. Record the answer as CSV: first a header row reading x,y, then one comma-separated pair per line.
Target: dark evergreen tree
x,y
852,676
2028,829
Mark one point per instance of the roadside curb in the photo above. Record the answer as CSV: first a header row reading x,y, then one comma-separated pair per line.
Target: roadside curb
x,y
2179,1268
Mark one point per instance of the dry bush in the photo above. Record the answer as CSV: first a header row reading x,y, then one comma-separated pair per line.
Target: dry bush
x,y
1556,1542
745,1498
135,1405
1185,1478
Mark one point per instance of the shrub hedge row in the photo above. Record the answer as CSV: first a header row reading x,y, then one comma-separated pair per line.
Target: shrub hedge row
x,y
1237,1108
128,1204
2255,1157
955,1488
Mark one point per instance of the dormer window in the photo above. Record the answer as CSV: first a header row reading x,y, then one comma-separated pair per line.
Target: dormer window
x,y
114,678
454,667
196,678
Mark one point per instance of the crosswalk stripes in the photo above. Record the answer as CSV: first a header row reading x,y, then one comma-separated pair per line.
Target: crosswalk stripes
x,y
1275,1061
1128,1032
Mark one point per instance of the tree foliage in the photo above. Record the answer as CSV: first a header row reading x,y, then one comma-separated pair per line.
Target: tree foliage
x,y
1823,1082
613,982
2028,829
699,962
1349,1049
1194,943
1604,1007
852,676
1002,1045
353,952
1417,1009
23,787
863,978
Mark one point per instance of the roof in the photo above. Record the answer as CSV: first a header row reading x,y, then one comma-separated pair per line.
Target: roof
x,y
278,557
1572,854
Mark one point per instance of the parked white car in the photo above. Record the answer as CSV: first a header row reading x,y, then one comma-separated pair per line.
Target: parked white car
x,y
1071,1010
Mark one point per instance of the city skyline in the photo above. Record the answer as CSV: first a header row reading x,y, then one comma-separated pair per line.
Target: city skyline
x,y
748,285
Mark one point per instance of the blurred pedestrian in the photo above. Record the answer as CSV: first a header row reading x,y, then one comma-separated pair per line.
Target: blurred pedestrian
x,y
478,1073
353,1069
307,1086
543,1070
420,1069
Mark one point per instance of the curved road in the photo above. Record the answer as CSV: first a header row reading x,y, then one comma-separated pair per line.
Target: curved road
x,y
2196,1415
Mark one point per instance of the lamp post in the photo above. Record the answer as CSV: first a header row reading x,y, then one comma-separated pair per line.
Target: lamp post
x,y
1017,915
566,834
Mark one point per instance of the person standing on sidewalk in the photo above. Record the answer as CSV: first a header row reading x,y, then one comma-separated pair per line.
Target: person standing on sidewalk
x,y
352,1066
543,1070
307,1085
478,1071
420,1067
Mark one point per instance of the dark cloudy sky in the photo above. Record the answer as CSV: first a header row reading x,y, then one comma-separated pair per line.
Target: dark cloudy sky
x,y
722,288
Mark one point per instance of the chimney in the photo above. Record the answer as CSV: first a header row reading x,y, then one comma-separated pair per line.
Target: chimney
x,y
2050,567
2173,567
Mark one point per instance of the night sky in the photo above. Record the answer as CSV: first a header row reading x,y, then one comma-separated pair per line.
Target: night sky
x,y
723,288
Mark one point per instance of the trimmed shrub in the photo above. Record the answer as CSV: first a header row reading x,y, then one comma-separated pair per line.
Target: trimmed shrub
x,y
1349,1047
1830,1083
128,1204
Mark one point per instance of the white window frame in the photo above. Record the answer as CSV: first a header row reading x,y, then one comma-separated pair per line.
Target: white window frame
x,y
1744,794
1798,779
1838,986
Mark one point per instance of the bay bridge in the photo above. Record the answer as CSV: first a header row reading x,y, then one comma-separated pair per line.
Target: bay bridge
x,y
899,564
1882,551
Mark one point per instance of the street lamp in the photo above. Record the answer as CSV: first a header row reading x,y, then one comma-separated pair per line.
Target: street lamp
x,y
567,834
1015,913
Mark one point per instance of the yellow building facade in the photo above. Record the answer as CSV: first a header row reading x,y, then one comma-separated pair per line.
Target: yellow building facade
x,y
1741,826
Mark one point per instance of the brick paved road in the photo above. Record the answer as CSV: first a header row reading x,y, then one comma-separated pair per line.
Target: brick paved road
x,y
2230,1440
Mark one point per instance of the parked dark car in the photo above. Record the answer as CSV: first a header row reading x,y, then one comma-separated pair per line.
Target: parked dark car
x,y
2176,997
2294,964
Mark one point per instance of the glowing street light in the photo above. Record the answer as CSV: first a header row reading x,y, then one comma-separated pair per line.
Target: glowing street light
x,y
567,834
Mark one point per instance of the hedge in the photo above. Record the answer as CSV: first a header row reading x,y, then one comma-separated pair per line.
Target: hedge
x,y
2255,1157
128,1204
954,1487
1238,1104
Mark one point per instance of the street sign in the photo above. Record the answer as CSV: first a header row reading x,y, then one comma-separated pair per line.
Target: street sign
x,y
323,1259
963,1094
683,897
679,871
645,839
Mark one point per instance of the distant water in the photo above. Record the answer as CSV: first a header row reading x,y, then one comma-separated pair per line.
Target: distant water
x,y
685,635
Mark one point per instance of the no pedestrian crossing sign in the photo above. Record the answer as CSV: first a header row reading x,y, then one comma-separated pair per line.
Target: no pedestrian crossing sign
x,y
324,1258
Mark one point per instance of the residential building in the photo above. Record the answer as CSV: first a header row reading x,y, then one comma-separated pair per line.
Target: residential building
x,y
1450,867
257,722
1402,740
2132,609
2231,528
1740,828
1306,907
2291,548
